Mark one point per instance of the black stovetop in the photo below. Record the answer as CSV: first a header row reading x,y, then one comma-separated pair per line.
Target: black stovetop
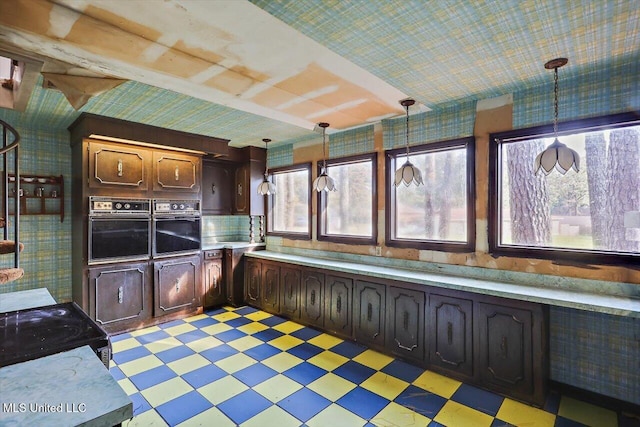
x,y
36,332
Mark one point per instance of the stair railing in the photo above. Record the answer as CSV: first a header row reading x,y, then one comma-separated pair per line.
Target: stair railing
x,y
7,147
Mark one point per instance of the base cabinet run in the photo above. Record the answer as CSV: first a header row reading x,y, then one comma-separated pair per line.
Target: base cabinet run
x,y
496,343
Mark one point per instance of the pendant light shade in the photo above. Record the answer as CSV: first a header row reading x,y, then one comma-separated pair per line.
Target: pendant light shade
x,y
324,182
266,187
408,173
557,155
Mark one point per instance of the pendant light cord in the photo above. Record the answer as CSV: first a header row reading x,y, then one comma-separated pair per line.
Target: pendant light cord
x,y
406,107
555,102
324,154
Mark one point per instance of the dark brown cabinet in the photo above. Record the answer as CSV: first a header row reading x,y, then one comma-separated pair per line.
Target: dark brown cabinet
x,y
217,182
118,166
176,172
290,283
369,314
253,283
270,287
338,308
247,177
405,323
450,334
118,294
312,297
213,286
177,284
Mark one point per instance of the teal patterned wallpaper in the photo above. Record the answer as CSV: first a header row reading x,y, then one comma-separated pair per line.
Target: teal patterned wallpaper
x,y
226,228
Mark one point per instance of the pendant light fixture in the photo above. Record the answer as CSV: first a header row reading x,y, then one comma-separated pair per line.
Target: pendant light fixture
x,y
408,173
324,182
557,155
266,188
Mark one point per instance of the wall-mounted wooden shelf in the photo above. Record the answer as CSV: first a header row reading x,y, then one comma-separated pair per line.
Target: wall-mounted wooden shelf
x,y
40,195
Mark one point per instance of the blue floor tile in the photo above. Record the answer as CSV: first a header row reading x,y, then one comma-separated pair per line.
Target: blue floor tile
x,y
273,321
305,333
215,311
403,370
236,323
566,422
244,406
262,351
130,354
354,372
348,349
175,353
172,324
230,335
207,321
435,424
117,373
184,407
421,401
267,335
499,423
203,376
152,337
481,400
218,353
552,404
304,373
191,336
120,337
245,310
152,377
304,404
305,350
255,374
362,402
140,404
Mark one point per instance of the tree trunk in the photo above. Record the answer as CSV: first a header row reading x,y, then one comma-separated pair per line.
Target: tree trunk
x,y
444,205
528,196
596,161
430,200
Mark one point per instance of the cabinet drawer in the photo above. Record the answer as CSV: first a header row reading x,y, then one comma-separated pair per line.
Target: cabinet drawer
x,y
213,254
117,166
176,172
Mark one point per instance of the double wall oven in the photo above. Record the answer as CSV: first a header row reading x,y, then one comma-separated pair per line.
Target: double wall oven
x,y
141,229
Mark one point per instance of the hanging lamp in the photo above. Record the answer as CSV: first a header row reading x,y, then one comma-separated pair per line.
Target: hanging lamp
x,y
557,155
408,173
324,182
266,188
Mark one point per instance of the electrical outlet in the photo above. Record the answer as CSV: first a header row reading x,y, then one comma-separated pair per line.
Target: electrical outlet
x,y
378,250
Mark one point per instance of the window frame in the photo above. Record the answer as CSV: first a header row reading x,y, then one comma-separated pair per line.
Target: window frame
x,y
269,203
322,203
557,255
390,199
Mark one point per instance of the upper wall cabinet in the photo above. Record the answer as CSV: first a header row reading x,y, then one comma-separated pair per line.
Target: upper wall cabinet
x,y
248,177
217,181
176,172
118,166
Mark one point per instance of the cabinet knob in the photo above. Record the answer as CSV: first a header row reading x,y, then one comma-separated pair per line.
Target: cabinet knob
x,y
177,285
239,189
450,332
339,304
120,294
504,347
120,167
177,173
313,297
369,312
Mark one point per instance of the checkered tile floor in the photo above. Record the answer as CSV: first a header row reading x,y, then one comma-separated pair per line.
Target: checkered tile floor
x,y
246,367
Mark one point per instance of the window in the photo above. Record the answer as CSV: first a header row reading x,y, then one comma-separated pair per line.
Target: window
x,y
349,215
440,214
289,210
592,216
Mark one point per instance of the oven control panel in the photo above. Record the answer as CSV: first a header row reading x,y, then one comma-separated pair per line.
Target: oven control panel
x,y
176,206
104,205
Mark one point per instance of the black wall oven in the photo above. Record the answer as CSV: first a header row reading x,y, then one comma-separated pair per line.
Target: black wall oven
x,y
119,230
176,227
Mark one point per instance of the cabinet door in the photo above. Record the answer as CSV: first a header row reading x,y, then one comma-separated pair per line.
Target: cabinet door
x,y
213,286
312,297
176,172
217,182
270,288
505,343
119,293
290,292
253,281
177,284
338,310
369,316
241,196
234,275
405,323
118,166
450,334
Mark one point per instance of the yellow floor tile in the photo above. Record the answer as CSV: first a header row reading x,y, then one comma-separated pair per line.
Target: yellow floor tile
x,y
147,419
385,385
127,386
288,327
586,413
331,386
222,389
195,318
252,328
455,414
394,415
328,360
258,315
216,329
163,344
282,361
517,413
325,341
204,344
210,417
245,343
335,416
166,391
273,416
373,359
180,329
188,364
285,342
235,363
140,365
277,388
223,317
123,345
144,331
437,384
